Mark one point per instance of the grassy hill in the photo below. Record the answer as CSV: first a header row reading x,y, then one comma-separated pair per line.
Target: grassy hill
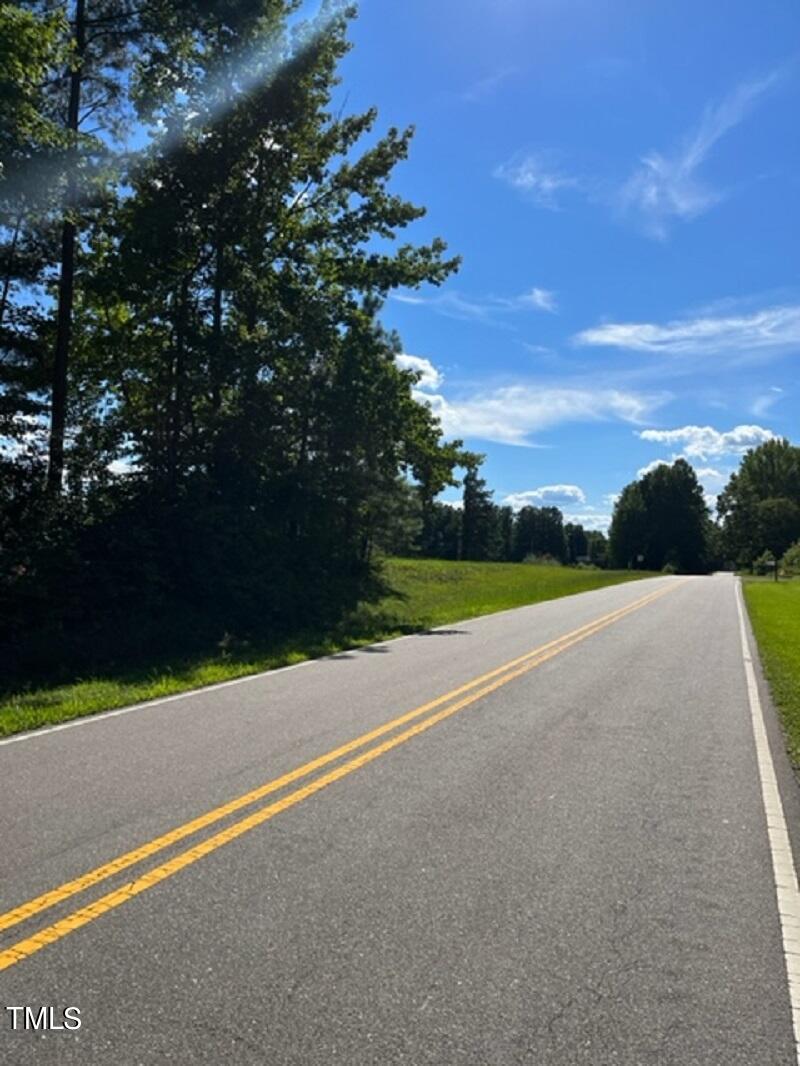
x,y
425,592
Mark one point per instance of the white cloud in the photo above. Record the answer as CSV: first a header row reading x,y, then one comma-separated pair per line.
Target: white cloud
x,y
763,403
536,176
710,500
610,498
705,442
450,303
485,87
546,496
773,327
454,304
664,188
544,299
711,480
510,414
595,521
656,463
123,467
708,473
430,377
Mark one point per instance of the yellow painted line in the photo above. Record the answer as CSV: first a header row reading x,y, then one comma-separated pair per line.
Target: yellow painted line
x,y
25,948
145,851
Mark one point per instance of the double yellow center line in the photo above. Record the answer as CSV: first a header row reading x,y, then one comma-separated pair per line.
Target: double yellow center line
x,y
443,707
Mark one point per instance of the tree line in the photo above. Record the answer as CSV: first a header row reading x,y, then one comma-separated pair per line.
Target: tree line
x,y
479,530
661,520
760,509
203,428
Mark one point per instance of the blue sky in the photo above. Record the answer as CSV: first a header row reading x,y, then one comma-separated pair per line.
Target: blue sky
x,y
622,180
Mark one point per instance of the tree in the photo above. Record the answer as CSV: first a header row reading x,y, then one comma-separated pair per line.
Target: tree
x,y
597,548
661,520
539,531
479,524
629,532
29,137
244,426
778,525
441,532
767,473
790,563
90,88
576,541
505,533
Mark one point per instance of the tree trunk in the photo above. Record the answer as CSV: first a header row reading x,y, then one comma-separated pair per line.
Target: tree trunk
x,y
216,326
66,282
177,391
9,270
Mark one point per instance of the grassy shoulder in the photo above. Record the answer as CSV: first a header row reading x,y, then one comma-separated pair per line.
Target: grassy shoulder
x,y
426,592
774,609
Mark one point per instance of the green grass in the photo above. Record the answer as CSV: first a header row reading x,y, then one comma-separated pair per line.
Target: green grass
x,y
427,592
774,609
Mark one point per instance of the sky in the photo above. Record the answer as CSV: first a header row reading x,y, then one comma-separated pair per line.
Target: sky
x,y
622,179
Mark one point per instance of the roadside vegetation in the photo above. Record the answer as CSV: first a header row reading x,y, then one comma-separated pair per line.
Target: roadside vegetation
x,y
208,437
774,610
425,592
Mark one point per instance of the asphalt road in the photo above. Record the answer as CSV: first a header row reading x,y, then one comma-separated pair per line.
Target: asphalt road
x,y
567,862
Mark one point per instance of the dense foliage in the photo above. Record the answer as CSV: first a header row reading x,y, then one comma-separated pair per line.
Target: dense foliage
x,y
480,530
661,521
760,506
203,424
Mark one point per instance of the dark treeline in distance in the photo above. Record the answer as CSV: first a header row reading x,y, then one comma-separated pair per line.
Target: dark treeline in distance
x,y
480,530
661,521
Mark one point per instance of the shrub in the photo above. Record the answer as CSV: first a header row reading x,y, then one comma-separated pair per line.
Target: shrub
x,y
790,563
764,564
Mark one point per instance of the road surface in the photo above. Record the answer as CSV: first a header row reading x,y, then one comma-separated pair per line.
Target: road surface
x,y
536,837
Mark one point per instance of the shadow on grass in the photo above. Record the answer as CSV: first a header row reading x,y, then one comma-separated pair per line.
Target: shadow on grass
x,y
43,700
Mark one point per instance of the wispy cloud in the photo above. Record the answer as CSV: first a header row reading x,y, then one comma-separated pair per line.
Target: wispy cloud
x,y
489,309
705,442
538,176
485,87
773,327
544,299
762,404
547,496
449,303
512,414
664,188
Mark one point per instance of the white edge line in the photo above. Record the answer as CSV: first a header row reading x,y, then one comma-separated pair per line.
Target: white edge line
x,y
783,867
102,716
